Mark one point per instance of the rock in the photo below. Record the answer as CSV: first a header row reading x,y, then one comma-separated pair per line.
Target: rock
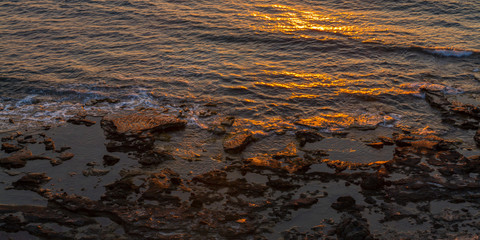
x,y
62,149
9,148
27,139
130,144
235,143
93,102
282,185
120,190
289,152
155,156
92,164
139,122
477,137
352,229
81,121
31,181
16,160
66,156
94,172
49,144
228,121
302,203
376,144
372,182
386,140
109,160
55,162
162,182
437,99
304,136
218,129
344,203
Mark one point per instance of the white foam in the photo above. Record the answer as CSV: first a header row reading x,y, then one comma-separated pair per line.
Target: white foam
x,y
450,53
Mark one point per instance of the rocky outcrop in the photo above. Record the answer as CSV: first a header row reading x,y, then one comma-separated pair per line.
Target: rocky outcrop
x,y
140,122
236,142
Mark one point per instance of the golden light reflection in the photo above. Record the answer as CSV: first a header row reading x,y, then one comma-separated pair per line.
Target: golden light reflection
x,y
313,80
267,124
337,121
288,19
377,91
305,96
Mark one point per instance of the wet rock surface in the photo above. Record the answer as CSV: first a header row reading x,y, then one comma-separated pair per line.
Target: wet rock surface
x,y
196,184
236,142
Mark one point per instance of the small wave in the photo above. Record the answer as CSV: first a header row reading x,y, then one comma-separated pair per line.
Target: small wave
x,y
418,86
450,53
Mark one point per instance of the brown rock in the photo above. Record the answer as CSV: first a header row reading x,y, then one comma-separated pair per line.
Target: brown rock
x,y
94,172
289,151
49,144
9,148
16,160
237,142
139,122
109,160
302,203
31,181
228,121
81,121
477,137
66,156
93,102
304,136
372,182
343,203
376,144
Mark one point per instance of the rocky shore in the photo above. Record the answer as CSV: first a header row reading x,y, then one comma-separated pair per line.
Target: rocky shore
x,y
151,175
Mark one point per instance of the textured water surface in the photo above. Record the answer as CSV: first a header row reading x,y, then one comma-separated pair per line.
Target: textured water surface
x,y
324,64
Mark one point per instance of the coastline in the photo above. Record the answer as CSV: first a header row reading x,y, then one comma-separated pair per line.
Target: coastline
x,y
150,175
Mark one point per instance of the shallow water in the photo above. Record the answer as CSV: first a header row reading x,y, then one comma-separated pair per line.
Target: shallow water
x,y
326,64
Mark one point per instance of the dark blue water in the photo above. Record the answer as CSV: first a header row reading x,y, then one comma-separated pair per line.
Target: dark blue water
x,y
332,64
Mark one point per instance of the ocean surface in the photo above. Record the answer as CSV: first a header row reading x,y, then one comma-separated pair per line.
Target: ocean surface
x,y
329,64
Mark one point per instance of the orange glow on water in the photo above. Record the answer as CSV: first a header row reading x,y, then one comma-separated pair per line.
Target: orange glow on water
x,y
289,19
377,91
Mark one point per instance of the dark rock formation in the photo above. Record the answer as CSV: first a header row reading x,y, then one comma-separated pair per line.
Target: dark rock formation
x,y
304,136
31,181
9,148
109,160
236,142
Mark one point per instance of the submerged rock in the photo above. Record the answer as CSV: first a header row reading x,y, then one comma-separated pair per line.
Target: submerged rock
x,y
49,144
304,136
81,121
477,137
18,159
302,203
94,172
31,181
93,102
9,148
372,182
353,229
343,203
227,121
376,144
109,160
235,143
66,156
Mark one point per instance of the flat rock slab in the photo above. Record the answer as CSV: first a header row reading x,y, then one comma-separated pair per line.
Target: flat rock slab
x,y
237,142
139,122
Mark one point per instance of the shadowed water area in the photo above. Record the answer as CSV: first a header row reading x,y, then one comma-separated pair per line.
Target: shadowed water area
x,y
277,106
